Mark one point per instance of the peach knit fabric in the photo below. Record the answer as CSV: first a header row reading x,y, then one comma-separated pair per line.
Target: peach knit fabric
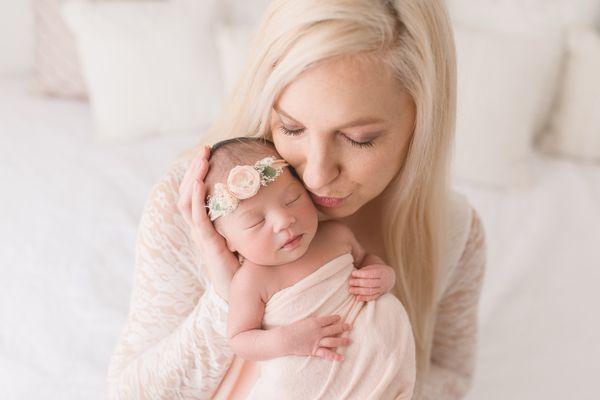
x,y
174,343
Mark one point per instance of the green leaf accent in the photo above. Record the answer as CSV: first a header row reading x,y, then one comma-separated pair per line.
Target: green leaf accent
x,y
269,172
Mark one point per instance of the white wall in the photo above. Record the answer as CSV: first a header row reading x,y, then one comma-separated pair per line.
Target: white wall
x,y
16,36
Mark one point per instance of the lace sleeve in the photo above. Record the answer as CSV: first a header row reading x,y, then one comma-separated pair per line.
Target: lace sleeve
x,y
174,342
455,338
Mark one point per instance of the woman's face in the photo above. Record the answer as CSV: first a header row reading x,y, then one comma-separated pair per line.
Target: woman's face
x,y
345,126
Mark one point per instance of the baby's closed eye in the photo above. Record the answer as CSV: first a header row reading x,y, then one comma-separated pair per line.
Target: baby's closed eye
x,y
294,199
255,224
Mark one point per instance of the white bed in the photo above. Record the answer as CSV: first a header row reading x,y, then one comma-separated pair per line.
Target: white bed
x,y
69,210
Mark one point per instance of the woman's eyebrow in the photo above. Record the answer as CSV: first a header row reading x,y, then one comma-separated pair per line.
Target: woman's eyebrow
x,y
357,122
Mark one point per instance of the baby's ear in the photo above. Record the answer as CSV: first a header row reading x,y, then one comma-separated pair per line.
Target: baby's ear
x,y
227,242
230,246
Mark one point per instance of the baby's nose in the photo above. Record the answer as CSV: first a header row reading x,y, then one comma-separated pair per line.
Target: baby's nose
x,y
284,222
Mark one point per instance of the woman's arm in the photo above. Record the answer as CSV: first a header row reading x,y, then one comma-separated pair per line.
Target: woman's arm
x,y
455,339
174,343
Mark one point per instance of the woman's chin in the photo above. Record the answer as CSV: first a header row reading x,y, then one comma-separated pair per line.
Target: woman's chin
x,y
326,213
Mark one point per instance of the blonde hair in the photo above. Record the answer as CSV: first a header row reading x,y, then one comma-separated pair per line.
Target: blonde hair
x,y
415,39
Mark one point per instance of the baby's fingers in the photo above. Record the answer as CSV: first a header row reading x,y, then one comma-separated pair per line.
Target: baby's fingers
x,y
365,282
335,329
367,298
367,291
334,341
328,354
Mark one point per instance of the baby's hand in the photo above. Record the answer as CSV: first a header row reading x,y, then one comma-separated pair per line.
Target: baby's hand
x,y
316,336
371,281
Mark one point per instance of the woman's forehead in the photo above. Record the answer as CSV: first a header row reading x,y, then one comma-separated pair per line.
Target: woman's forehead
x,y
336,96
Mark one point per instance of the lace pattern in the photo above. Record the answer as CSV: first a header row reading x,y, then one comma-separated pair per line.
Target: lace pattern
x,y
455,338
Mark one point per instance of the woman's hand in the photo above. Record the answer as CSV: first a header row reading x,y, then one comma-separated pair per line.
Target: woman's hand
x,y
220,263
316,336
371,281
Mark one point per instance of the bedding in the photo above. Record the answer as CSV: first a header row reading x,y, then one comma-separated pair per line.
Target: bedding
x,y
70,207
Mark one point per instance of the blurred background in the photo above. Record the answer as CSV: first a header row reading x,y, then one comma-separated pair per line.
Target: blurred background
x,y
98,97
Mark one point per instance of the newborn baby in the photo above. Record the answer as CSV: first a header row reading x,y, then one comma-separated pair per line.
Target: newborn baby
x,y
289,305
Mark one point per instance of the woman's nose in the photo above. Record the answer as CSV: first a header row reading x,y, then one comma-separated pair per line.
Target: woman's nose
x,y
320,168
283,220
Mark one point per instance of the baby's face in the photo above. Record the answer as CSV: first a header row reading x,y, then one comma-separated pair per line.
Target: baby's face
x,y
260,226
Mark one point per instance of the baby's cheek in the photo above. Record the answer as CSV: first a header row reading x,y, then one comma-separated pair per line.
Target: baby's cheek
x,y
260,248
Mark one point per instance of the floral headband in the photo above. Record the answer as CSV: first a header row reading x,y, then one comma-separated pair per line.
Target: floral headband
x,y
243,182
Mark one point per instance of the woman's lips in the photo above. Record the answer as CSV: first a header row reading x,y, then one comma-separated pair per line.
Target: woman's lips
x,y
292,243
328,201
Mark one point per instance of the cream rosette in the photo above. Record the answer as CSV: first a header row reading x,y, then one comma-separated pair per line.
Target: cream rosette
x,y
243,182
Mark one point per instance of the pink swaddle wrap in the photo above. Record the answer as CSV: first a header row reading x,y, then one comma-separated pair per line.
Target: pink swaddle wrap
x,y
378,364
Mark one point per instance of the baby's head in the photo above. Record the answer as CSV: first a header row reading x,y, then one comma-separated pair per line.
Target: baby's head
x,y
258,223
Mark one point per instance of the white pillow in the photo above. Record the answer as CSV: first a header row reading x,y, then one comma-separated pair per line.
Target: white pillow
x,y
57,70
502,81
524,16
575,128
150,67
528,18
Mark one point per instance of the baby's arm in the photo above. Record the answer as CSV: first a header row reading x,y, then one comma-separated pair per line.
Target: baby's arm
x,y
246,311
310,336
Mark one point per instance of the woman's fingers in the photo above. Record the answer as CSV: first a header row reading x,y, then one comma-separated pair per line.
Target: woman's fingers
x,y
187,186
198,195
190,173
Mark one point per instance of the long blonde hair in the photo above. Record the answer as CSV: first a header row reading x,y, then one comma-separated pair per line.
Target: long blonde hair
x,y
413,37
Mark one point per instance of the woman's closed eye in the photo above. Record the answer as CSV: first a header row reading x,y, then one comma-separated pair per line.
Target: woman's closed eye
x,y
296,132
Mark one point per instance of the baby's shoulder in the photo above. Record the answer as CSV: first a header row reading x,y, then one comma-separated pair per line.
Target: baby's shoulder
x,y
250,276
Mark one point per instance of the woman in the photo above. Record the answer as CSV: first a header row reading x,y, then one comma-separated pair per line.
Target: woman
x,y
359,97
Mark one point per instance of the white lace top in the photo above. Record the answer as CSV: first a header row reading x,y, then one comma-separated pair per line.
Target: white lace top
x,y
174,344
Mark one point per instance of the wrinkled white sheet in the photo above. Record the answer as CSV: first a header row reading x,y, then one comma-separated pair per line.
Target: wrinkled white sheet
x,y
539,324
69,210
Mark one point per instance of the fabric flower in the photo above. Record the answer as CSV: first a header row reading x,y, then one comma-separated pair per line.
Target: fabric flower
x,y
221,202
243,181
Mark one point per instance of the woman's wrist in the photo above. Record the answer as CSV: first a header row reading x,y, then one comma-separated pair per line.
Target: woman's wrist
x,y
219,273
